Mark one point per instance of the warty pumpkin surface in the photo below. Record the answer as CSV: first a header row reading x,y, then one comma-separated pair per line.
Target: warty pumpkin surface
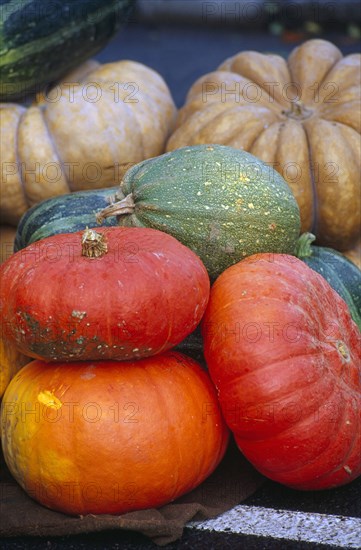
x,y
285,356
115,293
110,437
300,115
82,134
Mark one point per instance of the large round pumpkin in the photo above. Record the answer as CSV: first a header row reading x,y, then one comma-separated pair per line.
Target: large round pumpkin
x,y
82,134
302,116
117,293
111,437
285,356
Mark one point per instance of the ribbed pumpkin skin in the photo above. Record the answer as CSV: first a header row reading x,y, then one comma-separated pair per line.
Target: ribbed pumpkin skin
x,y
64,214
112,437
285,356
221,202
81,141
145,295
300,115
41,42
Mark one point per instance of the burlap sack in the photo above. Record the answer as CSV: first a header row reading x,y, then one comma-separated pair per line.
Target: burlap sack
x,y
233,481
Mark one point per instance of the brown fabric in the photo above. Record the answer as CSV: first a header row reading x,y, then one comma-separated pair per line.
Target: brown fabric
x,y
233,481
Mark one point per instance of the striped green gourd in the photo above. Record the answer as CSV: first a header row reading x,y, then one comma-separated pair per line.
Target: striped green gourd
x,y
342,274
62,214
40,41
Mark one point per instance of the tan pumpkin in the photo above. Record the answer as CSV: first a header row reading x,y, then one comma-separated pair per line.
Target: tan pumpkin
x,y
354,254
82,134
7,236
301,115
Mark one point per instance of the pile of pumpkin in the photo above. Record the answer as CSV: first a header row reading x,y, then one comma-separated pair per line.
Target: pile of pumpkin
x,y
107,285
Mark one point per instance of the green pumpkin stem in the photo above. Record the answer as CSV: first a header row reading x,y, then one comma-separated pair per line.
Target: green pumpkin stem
x,y
303,247
93,244
118,208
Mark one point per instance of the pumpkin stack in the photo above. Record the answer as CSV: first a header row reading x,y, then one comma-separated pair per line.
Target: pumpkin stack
x,y
98,310
102,311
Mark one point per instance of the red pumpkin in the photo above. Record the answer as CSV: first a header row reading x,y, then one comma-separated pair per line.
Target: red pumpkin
x,y
285,355
110,437
122,293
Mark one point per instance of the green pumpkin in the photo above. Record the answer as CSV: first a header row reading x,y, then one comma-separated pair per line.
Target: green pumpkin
x,y
342,274
66,213
223,203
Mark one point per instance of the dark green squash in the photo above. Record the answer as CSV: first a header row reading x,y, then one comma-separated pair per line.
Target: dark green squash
x,y
342,274
223,203
63,214
41,41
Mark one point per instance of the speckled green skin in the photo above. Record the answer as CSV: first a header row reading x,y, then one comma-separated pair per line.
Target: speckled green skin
x,y
223,203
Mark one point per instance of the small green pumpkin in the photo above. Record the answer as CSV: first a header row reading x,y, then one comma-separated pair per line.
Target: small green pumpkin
x,y
223,203
66,213
342,274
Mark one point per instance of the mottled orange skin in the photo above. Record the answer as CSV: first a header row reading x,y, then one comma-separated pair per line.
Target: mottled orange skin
x,y
111,437
285,356
142,297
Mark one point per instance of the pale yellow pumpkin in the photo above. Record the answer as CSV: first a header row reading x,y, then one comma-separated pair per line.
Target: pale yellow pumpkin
x,y
301,116
82,134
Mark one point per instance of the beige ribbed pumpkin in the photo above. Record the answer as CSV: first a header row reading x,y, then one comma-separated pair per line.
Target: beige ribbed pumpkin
x,y
301,115
82,134
354,254
7,237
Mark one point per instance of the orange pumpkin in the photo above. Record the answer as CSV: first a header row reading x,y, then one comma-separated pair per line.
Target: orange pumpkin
x,y
111,437
11,360
302,116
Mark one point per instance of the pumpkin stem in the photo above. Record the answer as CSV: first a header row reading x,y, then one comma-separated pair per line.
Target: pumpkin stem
x,y
297,111
303,247
119,208
93,244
